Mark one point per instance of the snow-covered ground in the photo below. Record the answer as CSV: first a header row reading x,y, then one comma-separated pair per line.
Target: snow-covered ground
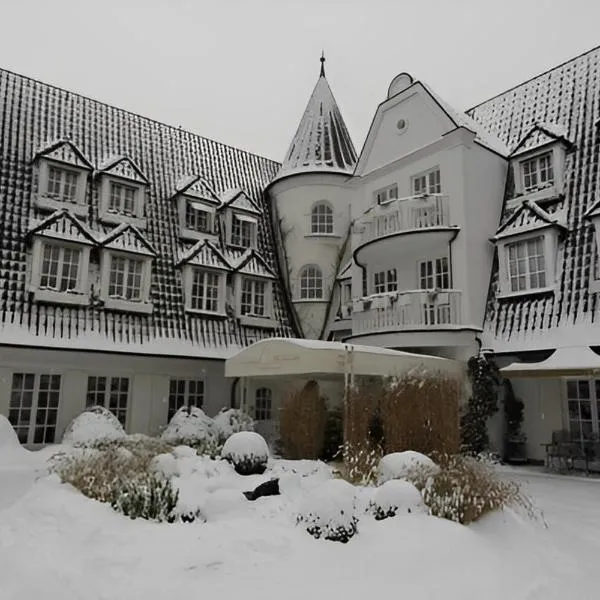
x,y
57,544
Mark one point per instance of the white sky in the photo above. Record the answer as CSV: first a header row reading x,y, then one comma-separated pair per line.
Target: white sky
x,y
241,71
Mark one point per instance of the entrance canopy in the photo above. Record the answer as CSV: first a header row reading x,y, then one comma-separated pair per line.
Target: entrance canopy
x,y
564,362
292,356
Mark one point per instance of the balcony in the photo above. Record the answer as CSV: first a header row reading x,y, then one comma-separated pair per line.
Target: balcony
x,y
378,228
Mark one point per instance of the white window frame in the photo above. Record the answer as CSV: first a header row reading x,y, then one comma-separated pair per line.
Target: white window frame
x,y
321,220
46,201
24,414
385,281
427,182
185,391
304,290
112,399
264,321
252,223
439,269
386,194
532,167
80,294
122,304
570,400
550,246
538,193
187,233
107,215
188,282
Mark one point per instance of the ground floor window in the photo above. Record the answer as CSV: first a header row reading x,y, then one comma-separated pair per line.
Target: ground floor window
x,y
111,393
263,404
185,392
583,406
33,407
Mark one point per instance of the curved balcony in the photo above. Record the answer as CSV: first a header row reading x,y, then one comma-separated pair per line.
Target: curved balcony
x,y
379,228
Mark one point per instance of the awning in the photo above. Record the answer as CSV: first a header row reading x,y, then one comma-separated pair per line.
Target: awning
x,y
291,356
564,362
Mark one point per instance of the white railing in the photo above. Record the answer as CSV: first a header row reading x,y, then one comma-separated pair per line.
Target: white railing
x,y
404,214
419,309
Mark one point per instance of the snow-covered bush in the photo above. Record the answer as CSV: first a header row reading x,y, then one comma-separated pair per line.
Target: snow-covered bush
x,y
329,511
10,447
146,497
230,421
190,426
360,463
247,451
409,465
394,497
94,426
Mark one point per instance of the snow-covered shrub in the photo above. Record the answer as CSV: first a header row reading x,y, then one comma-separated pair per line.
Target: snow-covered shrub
x,y
94,426
230,421
360,463
10,447
329,511
410,465
190,426
396,497
247,451
146,497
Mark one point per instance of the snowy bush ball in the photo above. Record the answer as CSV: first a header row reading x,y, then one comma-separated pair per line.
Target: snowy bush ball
x,y
230,421
405,465
247,451
394,497
190,426
8,436
329,511
95,425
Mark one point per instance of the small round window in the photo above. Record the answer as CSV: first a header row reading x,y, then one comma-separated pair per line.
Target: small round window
x,y
402,125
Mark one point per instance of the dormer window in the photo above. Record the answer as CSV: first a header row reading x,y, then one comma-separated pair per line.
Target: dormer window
x,y
126,277
198,217
61,268
62,184
243,231
196,202
254,293
537,172
527,265
122,198
205,290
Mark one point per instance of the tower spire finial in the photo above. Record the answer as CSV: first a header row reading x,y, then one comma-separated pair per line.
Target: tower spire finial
x,y
322,59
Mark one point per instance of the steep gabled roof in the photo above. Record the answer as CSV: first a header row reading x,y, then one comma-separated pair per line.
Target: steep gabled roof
x,y
252,263
528,217
122,166
237,198
128,238
198,187
540,135
62,225
64,151
322,142
204,254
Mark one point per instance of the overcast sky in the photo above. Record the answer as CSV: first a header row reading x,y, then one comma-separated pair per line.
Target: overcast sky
x,y
241,71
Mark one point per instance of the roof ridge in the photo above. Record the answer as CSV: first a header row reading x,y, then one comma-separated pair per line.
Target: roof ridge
x,y
136,114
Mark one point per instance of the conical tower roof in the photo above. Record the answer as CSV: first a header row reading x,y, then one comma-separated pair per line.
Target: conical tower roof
x,y
322,142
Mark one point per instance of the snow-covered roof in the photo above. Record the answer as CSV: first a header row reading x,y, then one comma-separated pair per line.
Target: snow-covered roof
x,y
61,224
558,101
163,155
198,187
204,254
237,198
540,135
345,271
322,142
128,238
252,263
563,362
122,166
528,217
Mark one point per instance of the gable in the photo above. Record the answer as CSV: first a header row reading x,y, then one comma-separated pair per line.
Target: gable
x,y
251,263
541,135
66,152
62,225
204,254
128,238
239,200
123,166
528,217
197,187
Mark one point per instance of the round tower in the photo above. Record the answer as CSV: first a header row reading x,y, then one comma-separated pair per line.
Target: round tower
x,y
310,200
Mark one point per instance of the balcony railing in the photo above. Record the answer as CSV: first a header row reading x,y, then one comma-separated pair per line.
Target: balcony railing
x,y
404,214
419,309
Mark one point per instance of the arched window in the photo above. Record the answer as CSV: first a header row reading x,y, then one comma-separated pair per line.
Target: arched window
x,y
321,218
311,283
263,404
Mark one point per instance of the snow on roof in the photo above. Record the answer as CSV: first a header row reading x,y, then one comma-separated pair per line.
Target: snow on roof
x,y
570,361
528,217
163,154
346,271
61,224
540,135
559,96
322,142
252,263
128,238
237,198
195,185
204,254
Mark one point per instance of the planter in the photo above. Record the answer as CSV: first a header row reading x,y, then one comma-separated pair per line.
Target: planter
x,y
515,451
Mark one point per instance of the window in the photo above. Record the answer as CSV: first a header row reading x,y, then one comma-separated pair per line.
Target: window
x,y
427,183
434,274
205,291
583,407
311,283
125,282
263,404
60,268
538,172
110,392
527,265
385,281
122,198
62,184
185,392
253,297
33,407
321,219
243,231
197,219
387,194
